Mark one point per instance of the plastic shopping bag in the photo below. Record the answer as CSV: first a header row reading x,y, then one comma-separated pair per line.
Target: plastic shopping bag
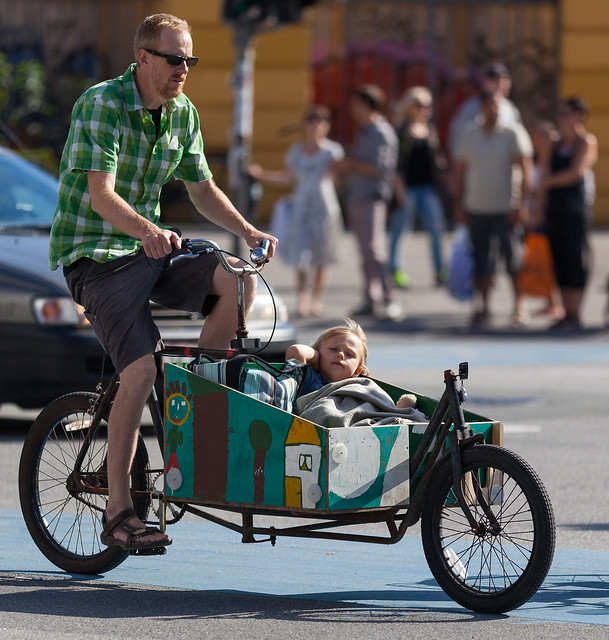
x,y
536,275
461,269
281,219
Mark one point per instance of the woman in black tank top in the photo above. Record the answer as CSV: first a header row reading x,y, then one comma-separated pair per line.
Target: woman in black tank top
x,y
566,212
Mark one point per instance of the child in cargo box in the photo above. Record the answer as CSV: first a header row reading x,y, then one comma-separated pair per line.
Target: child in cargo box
x,y
339,353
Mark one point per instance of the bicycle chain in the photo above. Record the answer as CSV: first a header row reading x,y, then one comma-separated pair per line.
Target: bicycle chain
x,y
176,516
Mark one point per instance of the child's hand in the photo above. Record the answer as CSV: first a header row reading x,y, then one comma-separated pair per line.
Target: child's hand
x,y
407,401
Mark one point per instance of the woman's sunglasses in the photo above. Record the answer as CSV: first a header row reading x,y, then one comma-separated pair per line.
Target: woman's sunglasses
x,y
174,61
314,118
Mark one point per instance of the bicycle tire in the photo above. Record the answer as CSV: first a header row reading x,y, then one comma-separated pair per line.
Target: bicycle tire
x,y
495,570
65,523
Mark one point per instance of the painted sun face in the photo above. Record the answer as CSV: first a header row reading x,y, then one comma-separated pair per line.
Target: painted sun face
x,y
177,409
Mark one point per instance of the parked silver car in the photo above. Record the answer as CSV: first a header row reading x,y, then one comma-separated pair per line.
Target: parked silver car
x,y
46,346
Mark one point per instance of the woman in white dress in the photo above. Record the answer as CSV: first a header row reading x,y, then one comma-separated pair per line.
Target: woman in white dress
x,y
313,218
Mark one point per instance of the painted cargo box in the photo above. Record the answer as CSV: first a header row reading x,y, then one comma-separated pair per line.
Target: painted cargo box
x,y
225,447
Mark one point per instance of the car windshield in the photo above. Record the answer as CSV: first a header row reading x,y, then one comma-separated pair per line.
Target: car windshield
x,y
28,195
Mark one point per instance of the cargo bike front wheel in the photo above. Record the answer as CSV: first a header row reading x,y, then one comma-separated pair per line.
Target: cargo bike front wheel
x,y
500,563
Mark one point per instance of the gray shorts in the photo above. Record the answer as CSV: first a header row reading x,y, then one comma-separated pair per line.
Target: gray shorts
x,y
494,237
116,295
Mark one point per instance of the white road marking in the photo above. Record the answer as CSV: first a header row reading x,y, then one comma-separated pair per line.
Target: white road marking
x,y
521,428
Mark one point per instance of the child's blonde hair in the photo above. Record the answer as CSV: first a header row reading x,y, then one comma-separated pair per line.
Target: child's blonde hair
x,y
349,328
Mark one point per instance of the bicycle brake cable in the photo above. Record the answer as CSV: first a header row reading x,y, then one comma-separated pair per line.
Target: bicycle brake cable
x,y
268,287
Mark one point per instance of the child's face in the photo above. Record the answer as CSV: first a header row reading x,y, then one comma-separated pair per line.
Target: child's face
x,y
340,357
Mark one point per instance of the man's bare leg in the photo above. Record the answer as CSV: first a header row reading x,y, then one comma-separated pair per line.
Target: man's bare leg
x,y
483,288
136,382
123,429
221,324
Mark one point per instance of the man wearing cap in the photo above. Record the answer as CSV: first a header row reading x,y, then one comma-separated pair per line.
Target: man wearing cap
x,y
495,77
493,170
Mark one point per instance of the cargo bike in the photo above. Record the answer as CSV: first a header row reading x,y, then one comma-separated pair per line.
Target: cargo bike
x,y
487,523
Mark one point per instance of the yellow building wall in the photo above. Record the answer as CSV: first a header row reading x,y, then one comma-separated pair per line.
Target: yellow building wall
x,y
584,71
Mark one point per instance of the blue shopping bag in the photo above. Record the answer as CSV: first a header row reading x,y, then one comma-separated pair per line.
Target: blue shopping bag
x,y
461,270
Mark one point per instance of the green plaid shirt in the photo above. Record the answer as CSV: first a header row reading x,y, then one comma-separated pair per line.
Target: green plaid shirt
x,y
112,131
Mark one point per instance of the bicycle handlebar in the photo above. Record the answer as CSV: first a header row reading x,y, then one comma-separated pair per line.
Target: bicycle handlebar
x,y
259,257
200,246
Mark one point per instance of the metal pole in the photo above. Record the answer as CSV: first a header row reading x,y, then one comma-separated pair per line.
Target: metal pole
x,y
432,51
243,104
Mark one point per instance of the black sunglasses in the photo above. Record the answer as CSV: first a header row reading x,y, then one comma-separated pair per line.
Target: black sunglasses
x,y
313,117
174,61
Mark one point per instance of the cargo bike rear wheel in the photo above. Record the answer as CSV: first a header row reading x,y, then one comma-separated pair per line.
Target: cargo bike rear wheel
x,y
62,510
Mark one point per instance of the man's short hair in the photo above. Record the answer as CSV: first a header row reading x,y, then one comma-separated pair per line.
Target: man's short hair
x,y
147,34
577,105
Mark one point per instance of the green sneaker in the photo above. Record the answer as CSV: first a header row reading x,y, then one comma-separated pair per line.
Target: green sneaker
x,y
441,277
401,279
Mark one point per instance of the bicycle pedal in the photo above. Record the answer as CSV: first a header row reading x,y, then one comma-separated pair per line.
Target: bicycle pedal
x,y
156,551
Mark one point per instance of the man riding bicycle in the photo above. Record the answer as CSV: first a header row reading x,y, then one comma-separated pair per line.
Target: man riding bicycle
x,y
128,137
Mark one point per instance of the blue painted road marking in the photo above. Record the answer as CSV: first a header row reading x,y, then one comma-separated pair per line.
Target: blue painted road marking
x,y
205,557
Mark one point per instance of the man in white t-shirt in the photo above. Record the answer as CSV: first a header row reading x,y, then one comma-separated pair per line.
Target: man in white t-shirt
x,y
488,155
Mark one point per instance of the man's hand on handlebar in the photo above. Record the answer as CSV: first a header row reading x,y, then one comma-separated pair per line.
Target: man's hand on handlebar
x,y
159,243
256,239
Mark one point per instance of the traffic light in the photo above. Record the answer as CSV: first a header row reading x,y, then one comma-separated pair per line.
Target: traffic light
x,y
290,10
247,11
260,11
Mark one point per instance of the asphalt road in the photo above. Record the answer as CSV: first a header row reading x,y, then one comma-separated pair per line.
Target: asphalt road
x,y
550,392
211,586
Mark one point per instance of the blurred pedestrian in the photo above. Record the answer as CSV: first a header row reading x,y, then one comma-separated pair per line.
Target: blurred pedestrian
x,y
485,157
371,170
419,176
314,218
543,134
563,201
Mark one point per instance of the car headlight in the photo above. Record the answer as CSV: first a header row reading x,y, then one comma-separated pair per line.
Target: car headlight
x,y
59,311
263,310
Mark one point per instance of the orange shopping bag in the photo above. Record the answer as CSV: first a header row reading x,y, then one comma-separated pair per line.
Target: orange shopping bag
x,y
536,276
